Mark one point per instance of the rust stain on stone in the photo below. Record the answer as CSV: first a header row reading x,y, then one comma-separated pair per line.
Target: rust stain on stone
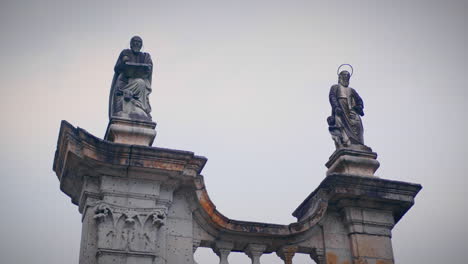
x,y
209,208
163,165
380,261
332,258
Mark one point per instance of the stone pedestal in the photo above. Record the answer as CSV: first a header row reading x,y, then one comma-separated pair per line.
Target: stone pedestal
x,y
131,132
353,162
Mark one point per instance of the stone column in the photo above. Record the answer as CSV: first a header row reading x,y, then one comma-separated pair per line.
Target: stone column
x,y
223,249
287,253
370,234
255,251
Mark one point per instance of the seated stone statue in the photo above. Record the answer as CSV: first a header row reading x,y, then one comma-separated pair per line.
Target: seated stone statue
x,y
131,84
345,123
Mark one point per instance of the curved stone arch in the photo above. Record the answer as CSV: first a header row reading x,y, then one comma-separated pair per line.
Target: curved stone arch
x,y
220,227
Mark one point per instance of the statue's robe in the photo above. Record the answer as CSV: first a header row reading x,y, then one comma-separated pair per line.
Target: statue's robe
x,y
348,122
138,87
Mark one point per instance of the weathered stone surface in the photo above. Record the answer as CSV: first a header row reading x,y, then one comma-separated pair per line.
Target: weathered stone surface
x,y
336,256
286,253
131,132
356,162
367,246
179,250
255,251
223,249
150,205
366,192
124,193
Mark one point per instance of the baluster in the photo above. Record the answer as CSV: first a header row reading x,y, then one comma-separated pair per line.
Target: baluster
x,y
286,253
222,249
255,251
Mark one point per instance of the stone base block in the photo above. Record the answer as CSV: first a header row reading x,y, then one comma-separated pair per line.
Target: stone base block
x,y
353,162
132,132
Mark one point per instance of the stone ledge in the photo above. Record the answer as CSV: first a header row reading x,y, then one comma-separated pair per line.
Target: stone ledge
x,y
350,190
76,148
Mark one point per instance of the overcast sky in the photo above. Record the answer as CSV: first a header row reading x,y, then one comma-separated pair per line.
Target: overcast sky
x,y
244,83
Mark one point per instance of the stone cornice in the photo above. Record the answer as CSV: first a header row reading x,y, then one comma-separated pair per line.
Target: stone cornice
x,y
397,196
98,157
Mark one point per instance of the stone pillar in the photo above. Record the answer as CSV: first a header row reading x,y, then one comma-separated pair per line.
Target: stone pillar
x,y
223,249
318,256
130,197
196,244
361,212
370,234
287,253
125,224
369,206
255,251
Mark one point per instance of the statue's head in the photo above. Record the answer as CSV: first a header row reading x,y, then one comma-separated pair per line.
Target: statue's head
x,y
136,43
343,78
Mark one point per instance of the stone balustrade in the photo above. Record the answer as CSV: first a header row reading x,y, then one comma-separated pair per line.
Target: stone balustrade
x,y
255,251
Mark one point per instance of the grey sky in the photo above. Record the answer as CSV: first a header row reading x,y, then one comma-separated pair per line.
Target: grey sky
x,y
244,83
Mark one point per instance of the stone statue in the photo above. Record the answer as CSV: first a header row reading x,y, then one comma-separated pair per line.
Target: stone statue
x,y
345,123
131,84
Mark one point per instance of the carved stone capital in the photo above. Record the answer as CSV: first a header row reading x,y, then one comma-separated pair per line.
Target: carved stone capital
x,y
123,229
101,212
159,217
